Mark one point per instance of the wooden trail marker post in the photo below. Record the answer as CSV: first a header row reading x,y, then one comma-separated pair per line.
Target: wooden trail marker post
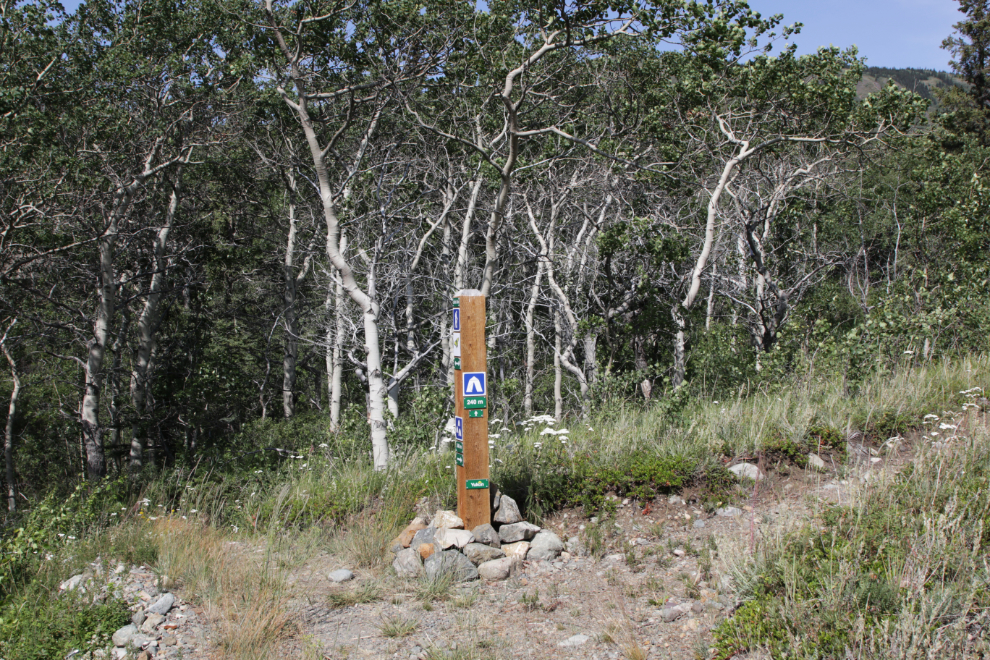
x,y
470,355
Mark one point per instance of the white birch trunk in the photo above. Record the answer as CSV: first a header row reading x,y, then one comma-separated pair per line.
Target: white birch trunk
x,y
534,294
147,330
558,374
8,438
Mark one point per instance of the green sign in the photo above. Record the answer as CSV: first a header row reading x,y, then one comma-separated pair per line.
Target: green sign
x,y
459,446
480,412
457,302
460,460
476,484
457,363
475,402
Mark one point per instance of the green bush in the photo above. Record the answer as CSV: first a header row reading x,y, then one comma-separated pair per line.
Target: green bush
x,y
36,626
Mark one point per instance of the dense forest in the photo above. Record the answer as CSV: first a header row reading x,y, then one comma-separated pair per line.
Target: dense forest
x,y
231,227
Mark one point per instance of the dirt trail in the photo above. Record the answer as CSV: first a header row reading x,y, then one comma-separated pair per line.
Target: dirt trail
x,y
654,589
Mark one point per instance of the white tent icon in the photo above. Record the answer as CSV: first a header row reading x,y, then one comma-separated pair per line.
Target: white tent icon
x,y
474,386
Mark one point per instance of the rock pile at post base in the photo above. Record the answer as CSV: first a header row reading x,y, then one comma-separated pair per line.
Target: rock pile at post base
x,y
493,551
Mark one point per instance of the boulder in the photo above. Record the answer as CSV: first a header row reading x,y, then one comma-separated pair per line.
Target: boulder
x,y
408,563
447,520
500,569
341,575
452,562
452,538
815,462
479,553
486,534
746,471
162,605
138,618
520,531
545,545
508,511
426,549
517,550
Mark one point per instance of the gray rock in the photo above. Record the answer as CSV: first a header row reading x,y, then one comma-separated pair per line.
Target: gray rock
x,y
408,563
520,531
697,607
479,553
545,545
341,575
729,512
746,471
508,511
699,524
486,534
162,605
138,618
575,640
674,500
124,635
499,569
151,622
73,583
423,536
450,561
674,612
576,547
447,520
518,549
129,635
815,462
452,538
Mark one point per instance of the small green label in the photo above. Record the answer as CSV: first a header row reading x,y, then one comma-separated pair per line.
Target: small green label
x,y
460,459
480,412
475,402
459,446
457,302
476,484
457,364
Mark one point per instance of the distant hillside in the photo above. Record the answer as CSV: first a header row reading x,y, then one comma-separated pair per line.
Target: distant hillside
x,y
923,82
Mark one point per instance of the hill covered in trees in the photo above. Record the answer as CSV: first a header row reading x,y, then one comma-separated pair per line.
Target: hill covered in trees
x,y
923,82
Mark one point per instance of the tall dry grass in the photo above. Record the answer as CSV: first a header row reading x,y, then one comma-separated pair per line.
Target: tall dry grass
x,y
243,592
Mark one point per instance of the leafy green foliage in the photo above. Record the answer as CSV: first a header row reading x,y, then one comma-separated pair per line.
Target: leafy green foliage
x,y
36,626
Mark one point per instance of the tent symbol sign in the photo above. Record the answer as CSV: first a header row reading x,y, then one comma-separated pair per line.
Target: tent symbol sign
x,y
475,390
474,383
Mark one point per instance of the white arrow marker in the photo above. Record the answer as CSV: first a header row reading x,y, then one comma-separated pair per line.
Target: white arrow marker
x,y
474,386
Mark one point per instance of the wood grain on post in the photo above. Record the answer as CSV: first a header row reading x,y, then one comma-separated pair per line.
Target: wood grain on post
x,y
473,504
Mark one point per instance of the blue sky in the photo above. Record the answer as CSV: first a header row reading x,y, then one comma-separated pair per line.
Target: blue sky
x,y
894,33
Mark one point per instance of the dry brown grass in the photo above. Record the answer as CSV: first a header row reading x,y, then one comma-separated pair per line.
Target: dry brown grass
x,y
243,592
